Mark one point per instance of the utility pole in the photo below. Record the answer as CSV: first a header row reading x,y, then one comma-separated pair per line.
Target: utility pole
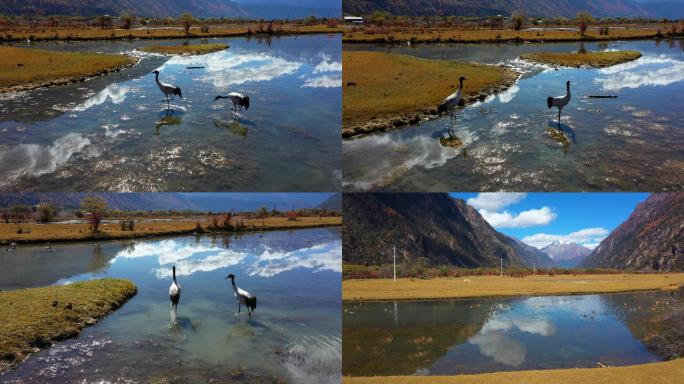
x,y
394,253
502,267
534,269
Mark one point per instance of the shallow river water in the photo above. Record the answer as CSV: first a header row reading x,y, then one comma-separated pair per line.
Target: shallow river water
x,y
294,334
632,142
448,337
114,133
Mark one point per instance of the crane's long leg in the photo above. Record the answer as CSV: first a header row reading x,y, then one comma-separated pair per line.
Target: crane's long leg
x,y
559,113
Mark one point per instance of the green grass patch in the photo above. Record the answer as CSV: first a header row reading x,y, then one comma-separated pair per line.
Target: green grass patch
x,y
34,318
391,87
33,68
588,59
191,49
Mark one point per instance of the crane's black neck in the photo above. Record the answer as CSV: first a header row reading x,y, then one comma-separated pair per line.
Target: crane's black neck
x,y
174,274
460,83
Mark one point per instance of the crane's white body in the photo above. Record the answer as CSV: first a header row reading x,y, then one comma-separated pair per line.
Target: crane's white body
x,y
243,297
450,103
174,290
560,101
238,99
167,89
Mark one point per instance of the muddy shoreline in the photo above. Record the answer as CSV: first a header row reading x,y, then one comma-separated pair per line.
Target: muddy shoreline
x,y
389,123
392,41
170,37
68,80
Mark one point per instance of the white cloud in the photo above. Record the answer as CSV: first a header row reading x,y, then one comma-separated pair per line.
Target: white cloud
x,y
529,218
490,206
327,66
646,71
494,201
224,69
326,81
588,237
36,159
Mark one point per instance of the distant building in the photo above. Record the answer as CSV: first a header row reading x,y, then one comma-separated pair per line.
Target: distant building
x,y
353,20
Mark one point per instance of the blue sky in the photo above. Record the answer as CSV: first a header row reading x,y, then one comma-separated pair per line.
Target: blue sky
x,y
540,218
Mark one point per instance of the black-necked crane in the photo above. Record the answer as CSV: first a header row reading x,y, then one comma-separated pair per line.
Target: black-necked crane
x,y
239,100
167,89
243,297
451,102
174,291
559,102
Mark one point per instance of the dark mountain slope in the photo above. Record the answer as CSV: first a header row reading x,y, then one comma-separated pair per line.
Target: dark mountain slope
x,y
567,8
333,203
652,238
429,226
124,201
153,8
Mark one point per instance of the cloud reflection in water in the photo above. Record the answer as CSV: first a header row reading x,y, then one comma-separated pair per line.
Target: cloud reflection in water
x,y
263,261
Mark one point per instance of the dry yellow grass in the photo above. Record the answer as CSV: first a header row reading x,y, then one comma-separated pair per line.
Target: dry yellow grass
x,y
668,372
104,34
64,232
425,35
385,86
486,286
23,67
36,317
590,59
191,49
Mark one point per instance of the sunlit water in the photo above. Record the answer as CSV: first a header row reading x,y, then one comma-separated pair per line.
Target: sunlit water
x,y
114,133
632,142
448,337
294,334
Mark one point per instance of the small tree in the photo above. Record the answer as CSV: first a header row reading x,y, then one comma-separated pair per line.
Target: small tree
x,y
583,21
20,212
186,20
127,20
262,212
379,18
47,212
518,19
496,21
104,21
95,209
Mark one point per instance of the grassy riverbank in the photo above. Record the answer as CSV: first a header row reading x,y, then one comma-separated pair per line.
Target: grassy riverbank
x,y
191,49
229,30
655,373
383,91
34,318
34,233
588,59
485,35
23,68
494,286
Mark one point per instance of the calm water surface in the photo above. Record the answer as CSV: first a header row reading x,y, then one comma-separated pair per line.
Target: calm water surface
x,y
633,142
294,335
449,337
113,133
